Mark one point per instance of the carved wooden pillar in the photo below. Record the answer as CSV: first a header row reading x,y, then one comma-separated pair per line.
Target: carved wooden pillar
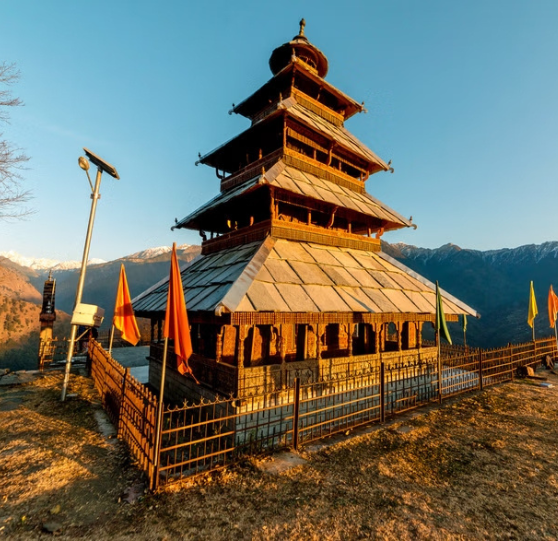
x,y
219,344
253,344
282,343
419,333
311,351
410,335
351,327
272,207
282,349
399,327
241,338
319,347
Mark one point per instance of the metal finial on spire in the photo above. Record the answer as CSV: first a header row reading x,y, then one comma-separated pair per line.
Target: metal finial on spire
x,y
302,25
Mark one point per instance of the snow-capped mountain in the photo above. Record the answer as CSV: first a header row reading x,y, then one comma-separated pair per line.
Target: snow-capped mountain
x,y
150,253
44,263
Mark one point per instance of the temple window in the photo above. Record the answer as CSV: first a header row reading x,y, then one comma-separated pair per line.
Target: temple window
x,y
364,339
301,342
391,337
256,345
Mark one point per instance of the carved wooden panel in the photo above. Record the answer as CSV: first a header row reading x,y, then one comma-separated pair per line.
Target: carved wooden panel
x,y
229,345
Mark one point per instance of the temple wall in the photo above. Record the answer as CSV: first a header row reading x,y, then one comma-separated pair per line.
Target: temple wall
x,y
178,388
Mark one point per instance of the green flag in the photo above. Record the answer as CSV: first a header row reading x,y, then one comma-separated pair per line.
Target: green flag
x,y
464,322
441,326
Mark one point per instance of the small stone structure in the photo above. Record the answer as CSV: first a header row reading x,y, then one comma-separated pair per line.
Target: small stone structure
x,y
47,318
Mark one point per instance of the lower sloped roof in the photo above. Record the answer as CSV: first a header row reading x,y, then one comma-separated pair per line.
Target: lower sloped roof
x,y
280,275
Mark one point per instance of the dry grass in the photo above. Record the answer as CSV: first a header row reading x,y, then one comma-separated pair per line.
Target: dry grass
x,y
479,468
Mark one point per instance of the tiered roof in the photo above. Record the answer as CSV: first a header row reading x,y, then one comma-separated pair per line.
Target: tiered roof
x,y
293,229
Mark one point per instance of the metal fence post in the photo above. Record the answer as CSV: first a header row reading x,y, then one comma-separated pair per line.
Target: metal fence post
x,y
296,411
382,392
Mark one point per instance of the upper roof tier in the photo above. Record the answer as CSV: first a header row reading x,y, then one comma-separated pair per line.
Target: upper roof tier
x,y
226,156
301,65
299,47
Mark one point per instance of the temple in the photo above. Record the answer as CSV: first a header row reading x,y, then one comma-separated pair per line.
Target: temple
x,y
292,281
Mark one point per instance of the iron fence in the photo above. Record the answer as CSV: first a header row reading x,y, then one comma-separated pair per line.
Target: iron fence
x,y
55,349
206,436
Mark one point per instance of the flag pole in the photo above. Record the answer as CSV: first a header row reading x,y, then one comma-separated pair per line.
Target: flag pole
x,y
533,329
111,338
439,366
159,427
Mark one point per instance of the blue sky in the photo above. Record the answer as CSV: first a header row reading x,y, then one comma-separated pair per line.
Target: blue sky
x,y
462,96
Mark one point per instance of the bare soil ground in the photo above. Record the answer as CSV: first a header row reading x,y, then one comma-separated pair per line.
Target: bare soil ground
x,y
480,467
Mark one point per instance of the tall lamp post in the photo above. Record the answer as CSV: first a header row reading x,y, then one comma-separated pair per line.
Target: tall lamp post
x,y
95,196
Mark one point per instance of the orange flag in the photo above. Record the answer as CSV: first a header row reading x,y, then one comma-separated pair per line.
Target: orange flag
x,y
124,319
552,307
176,318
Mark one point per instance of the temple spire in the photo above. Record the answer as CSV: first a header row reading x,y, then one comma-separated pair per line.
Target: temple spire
x,y
301,48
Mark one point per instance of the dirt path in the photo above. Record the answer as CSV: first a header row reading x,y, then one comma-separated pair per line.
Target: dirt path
x,y
483,467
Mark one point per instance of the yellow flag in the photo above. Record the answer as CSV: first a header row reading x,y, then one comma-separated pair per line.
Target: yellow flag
x,y
533,310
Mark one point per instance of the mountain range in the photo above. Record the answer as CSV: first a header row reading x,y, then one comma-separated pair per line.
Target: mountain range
x,y
494,282
22,281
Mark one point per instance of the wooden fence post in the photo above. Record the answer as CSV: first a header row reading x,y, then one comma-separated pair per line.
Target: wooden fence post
x,y
440,376
480,369
511,361
382,392
296,412
122,400
535,354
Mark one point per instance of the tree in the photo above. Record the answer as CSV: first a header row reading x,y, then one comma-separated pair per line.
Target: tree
x,y
12,159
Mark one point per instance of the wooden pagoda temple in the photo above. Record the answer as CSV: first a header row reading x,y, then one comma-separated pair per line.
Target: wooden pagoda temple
x,y
292,280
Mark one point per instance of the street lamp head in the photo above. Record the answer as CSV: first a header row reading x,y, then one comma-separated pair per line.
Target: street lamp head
x,y
83,163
